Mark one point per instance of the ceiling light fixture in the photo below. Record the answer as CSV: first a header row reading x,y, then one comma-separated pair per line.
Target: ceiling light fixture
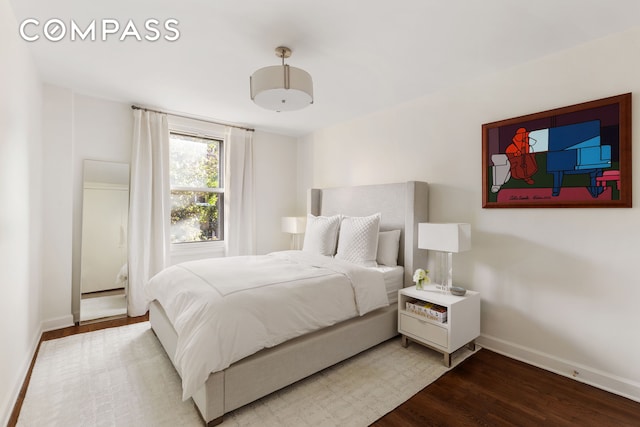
x,y
281,87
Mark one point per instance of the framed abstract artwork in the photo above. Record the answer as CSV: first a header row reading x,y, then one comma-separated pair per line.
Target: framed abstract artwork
x,y
572,157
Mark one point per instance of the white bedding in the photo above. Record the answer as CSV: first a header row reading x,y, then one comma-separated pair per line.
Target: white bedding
x,y
225,309
393,280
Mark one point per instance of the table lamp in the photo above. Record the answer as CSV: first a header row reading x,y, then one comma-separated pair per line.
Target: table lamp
x,y
294,225
445,238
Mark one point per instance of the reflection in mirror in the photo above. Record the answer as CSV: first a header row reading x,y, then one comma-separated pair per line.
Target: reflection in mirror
x,y
103,266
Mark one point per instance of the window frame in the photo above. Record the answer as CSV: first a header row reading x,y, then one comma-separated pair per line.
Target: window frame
x,y
211,190
183,251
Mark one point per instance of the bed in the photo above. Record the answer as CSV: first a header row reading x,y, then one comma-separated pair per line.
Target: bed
x,y
401,207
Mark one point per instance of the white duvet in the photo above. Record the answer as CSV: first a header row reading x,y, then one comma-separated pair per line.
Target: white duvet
x,y
225,309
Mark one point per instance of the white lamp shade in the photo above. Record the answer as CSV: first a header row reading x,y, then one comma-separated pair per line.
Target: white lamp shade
x,y
294,224
447,237
282,88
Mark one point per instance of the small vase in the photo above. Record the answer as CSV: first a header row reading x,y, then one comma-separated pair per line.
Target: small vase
x,y
420,284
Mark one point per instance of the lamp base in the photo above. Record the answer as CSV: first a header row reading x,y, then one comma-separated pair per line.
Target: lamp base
x,y
295,242
444,271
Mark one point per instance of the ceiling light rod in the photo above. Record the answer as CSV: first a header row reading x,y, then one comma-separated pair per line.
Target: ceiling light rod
x,y
284,52
281,88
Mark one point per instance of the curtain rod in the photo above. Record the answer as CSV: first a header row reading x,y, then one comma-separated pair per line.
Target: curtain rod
x,y
135,107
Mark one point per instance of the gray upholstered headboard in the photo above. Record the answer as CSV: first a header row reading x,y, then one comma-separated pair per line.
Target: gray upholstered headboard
x,y
402,206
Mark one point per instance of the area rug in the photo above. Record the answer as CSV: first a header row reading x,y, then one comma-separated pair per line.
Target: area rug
x,y
122,377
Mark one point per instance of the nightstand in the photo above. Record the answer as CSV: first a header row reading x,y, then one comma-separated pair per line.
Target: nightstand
x,y
461,328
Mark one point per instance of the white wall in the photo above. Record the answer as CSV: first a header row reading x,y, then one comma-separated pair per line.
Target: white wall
x,y
559,286
58,221
275,171
77,127
21,224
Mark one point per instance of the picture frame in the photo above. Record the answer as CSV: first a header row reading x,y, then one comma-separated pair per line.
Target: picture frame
x,y
571,157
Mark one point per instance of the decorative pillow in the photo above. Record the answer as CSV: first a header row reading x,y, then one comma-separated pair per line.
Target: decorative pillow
x,y
321,234
388,247
358,240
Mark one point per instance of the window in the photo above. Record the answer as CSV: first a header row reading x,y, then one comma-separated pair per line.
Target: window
x,y
197,192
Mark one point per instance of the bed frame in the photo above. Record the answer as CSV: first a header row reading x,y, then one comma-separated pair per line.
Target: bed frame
x,y
402,207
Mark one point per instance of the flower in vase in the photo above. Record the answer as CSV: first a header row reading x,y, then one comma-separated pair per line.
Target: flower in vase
x,y
421,276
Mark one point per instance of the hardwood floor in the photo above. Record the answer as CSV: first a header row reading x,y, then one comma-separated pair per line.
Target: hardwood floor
x,y
65,332
489,389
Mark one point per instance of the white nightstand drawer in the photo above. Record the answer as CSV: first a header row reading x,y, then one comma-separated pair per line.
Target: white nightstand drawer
x,y
424,330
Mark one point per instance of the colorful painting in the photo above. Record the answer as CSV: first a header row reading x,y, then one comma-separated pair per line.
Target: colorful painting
x,y
576,156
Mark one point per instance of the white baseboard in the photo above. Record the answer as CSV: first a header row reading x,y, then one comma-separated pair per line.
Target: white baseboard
x,y
57,323
585,374
19,380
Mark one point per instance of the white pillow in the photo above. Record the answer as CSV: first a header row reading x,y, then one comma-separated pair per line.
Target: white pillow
x,y
358,240
321,234
388,247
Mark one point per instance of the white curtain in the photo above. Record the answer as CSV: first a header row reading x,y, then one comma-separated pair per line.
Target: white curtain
x,y
239,223
149,205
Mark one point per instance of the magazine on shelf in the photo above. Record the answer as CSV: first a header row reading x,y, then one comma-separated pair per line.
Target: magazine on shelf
x,y
427,309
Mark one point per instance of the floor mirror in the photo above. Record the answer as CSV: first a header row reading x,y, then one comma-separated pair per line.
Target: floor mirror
x,y
103,266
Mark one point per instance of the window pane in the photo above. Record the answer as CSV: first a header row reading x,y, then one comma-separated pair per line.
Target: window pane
x,y
195,162
195,216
